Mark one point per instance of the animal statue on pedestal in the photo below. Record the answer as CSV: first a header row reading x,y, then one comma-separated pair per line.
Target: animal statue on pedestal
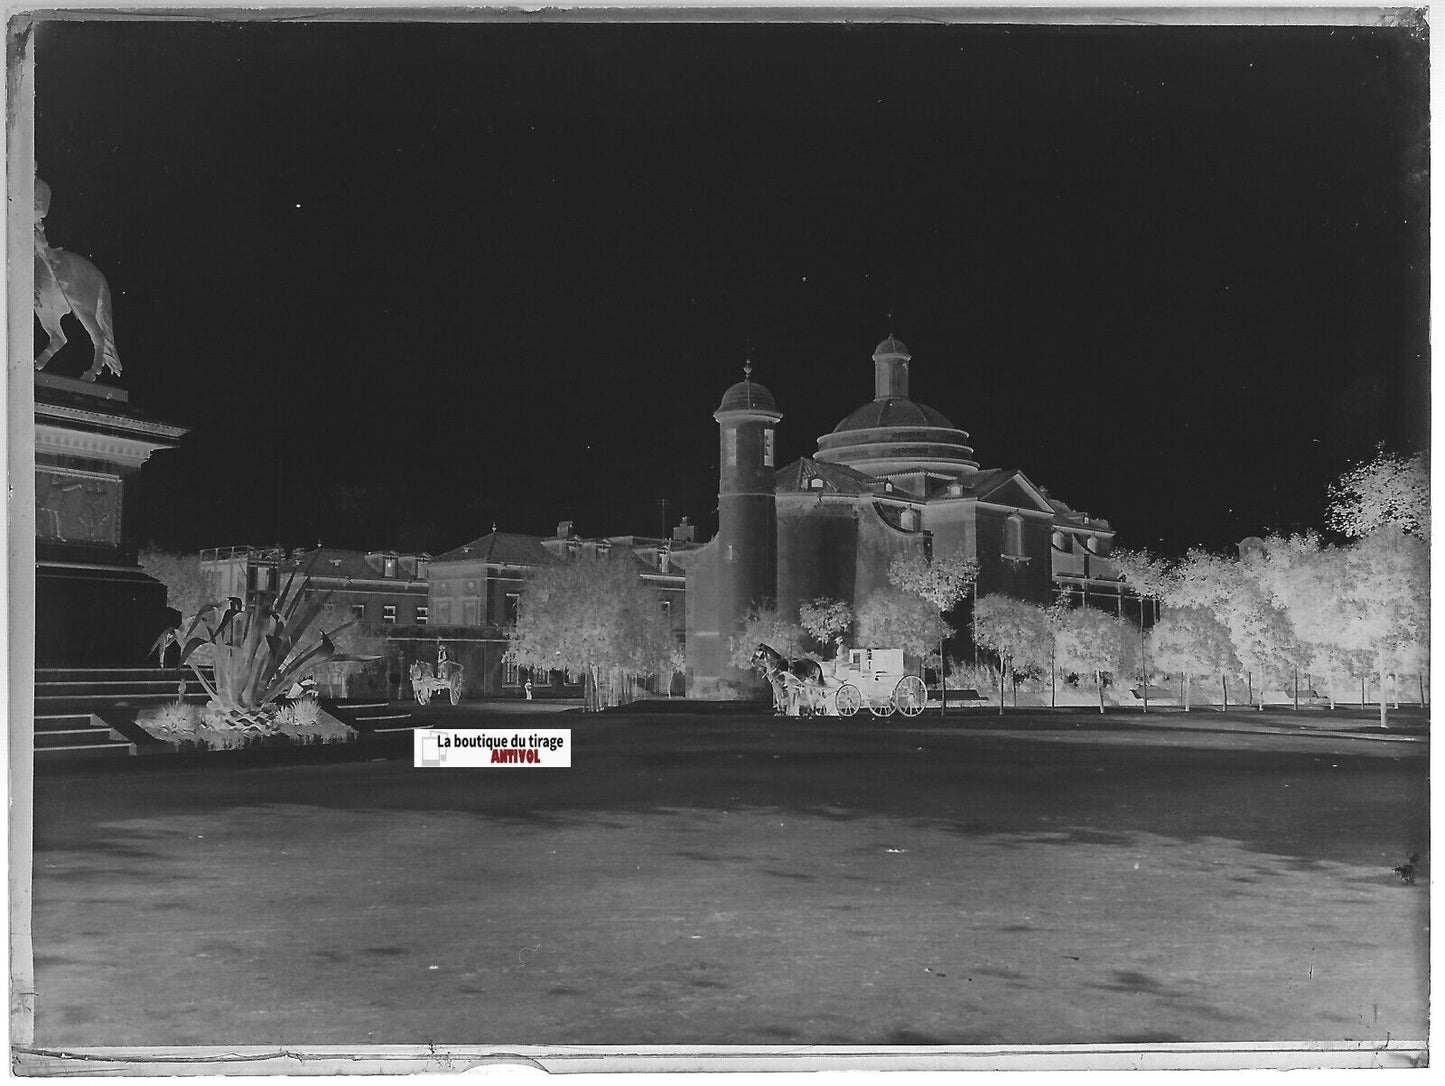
x,y
66,282
789,678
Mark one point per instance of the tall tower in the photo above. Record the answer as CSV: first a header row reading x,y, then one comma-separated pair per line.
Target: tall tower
x,y
747,538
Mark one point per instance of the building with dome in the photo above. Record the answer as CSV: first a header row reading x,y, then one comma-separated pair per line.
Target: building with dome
x,y
895,477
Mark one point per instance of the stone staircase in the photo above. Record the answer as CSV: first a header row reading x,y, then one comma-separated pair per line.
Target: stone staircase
x,y
77,735
72,706
370,717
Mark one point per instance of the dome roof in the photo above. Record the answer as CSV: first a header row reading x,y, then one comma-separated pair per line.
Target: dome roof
x,y
892,347
895,411
747,395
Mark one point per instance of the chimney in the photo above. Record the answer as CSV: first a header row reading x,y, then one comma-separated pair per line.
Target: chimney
x,y
564,529
683,532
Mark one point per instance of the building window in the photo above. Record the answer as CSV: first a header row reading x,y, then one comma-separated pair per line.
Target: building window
x,y
470,613
511,674
421,615
816,482
388,613
541,677
389,567
730,447
767,446
1013,537
1058,541
514,602
667,609
444,612
358,611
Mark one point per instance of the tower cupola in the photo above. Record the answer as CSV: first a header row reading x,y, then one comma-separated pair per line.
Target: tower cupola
x,y
748,396
890,369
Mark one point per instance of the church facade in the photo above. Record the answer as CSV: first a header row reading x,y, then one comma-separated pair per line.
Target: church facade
x,y
895,477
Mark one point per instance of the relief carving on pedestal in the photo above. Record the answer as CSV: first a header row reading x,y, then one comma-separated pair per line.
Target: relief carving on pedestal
x,y
77,509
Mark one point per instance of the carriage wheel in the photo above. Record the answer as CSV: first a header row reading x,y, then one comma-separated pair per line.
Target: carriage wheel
x,y
456,691
848,699
881,709
910,695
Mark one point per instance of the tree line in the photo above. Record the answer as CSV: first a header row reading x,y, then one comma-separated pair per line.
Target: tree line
x,y
1287,612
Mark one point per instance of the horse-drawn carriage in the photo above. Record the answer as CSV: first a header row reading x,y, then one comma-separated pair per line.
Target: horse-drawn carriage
x,y
867,677
875,678
447,678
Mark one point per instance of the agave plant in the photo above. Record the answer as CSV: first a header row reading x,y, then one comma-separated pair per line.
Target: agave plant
x,y
256,653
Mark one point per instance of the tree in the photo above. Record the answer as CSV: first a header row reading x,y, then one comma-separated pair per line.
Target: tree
x,y
594,616
825,620
1263,642
188,587
1149,575
944,580
1387,599
356,644
765,626
1191,641
1092,642
1307,581
1016,631
1055,615
895,619
675,664
1387,491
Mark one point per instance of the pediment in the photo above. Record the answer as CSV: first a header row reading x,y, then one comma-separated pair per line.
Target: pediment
x,y
1017,490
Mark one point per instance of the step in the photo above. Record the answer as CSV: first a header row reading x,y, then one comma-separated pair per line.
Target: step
x,y
61,754
60,702
148,686
63,721
88,740
110,674
59,735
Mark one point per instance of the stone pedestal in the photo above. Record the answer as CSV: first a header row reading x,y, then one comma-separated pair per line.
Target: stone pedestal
x,y
93,605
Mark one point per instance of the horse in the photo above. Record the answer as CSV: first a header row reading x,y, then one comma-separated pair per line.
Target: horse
x,y
66,282
778,669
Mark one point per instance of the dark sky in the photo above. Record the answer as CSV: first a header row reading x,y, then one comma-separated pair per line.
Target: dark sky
x,y
403,281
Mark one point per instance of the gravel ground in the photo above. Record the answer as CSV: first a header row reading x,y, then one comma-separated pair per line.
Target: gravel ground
x,y
739,880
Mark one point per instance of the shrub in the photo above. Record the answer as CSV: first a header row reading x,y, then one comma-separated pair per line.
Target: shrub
x,y
173,721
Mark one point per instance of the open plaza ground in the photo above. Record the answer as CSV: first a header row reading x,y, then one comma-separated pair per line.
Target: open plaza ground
x,y
740,879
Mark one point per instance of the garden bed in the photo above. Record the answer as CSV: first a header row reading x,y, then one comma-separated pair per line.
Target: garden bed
x,y
184,728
